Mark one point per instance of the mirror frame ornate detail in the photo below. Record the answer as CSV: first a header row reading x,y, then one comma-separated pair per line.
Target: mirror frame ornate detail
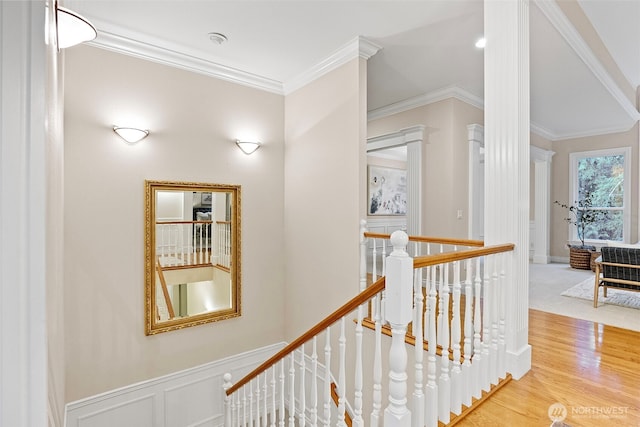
x,y
152,325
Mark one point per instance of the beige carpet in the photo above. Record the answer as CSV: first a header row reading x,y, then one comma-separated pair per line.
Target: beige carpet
x,y
619,297
547,282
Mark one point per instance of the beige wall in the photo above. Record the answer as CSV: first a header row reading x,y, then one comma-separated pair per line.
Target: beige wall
x,y
446,154
194,121
325,180
560,181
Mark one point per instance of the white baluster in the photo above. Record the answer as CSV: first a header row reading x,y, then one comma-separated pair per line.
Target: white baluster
x,y
398,313
282,377
272,418
258,415
456,371
250,404
265,394
314,385
236,409
502,347
444,383
494,321
327,379
303,388
357,401
374,251
244,405
292,396
431,389
486,325
418,395
477,362
377,363
468,336
342,383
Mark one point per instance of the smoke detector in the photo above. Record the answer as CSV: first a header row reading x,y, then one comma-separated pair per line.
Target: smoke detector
x,y
217,38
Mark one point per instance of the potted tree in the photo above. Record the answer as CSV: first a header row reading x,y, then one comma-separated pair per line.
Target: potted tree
x,y
581,215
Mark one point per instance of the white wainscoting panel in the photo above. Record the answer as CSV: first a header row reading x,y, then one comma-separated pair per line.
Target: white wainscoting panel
x,y
193,397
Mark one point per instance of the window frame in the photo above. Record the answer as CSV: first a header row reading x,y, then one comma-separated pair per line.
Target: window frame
x,y
574,158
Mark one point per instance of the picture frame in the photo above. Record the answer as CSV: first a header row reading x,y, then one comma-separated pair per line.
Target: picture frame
x,y
206,199
387,191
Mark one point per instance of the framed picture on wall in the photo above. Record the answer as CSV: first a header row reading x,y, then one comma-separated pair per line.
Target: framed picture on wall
x,y
206,199
387,191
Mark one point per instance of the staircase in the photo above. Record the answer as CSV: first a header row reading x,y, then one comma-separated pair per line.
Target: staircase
x,y
431,314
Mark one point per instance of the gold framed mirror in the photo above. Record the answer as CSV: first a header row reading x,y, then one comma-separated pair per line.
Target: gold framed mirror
x,y
192,254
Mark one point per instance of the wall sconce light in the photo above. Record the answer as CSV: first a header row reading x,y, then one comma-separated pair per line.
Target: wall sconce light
x,y
131,135
70,28
248,147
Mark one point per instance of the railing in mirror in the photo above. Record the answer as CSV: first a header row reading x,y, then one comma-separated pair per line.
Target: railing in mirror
x,y
192,254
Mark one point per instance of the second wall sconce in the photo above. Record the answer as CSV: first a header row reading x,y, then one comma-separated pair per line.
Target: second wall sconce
x,y
131,135
248,147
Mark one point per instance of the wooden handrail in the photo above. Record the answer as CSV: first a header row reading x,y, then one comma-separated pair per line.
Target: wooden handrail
x,y
426,239
427,260
347,308
165,291
363,297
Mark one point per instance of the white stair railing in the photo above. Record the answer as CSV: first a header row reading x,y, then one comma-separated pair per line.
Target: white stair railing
x,y
452,299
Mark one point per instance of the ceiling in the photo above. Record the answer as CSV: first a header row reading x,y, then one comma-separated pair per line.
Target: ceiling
x,y
426,51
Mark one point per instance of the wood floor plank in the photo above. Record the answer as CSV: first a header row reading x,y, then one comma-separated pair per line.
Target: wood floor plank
x,y
590,368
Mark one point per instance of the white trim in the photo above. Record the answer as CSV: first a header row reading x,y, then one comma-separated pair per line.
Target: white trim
x,y
558,19
94,410
519,363
412,138
426,99
573,179
150,52
593,132
357,48
26,98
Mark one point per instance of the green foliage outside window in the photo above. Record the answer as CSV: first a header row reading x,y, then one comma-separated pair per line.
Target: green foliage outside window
x,y
598,212
601,180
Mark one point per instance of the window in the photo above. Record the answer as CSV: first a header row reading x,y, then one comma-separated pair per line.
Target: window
x,y
605,176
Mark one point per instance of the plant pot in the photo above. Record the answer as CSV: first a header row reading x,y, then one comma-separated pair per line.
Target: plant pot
x,y
580,258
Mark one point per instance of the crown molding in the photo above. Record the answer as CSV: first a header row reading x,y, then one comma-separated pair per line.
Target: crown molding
x,y
357,48
593,132
426,99
151,52
561,23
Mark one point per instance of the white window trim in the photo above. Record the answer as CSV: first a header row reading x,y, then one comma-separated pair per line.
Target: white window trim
x,y
573,188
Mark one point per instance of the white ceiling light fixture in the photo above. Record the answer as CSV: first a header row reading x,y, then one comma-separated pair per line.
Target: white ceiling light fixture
x,y
131,135
481,43
71,28
248,147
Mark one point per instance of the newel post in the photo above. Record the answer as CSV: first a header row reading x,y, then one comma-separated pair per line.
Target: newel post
x,y
227,399
399,284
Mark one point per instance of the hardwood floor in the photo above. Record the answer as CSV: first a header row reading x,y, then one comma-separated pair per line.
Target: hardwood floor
x,y
590,368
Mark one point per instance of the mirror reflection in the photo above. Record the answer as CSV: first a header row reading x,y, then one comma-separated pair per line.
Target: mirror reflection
x,y
192,264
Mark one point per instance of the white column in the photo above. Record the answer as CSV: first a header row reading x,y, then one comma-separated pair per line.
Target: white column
x,y
542,164
476,187
23,184
506,77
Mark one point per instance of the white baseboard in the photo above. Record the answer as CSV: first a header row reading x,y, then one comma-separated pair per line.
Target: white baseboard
x,y
193,397
560,259
519,363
